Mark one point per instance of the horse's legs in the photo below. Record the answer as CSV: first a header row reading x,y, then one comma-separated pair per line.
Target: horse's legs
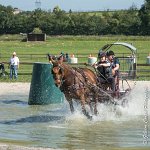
x,y
95,107
95,100
91,108
71,106
83,107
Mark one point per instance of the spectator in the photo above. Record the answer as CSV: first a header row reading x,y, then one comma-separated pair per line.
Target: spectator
x,y
14,66
2,67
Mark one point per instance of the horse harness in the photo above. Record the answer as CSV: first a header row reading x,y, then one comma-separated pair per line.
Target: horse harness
x,y
78,82
81,84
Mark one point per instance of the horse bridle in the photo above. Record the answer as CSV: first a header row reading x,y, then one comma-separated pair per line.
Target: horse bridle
x,y
60,68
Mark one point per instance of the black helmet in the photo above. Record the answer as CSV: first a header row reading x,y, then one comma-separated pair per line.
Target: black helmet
x,y
110,53
101,54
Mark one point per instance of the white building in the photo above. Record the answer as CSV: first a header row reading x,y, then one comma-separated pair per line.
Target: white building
x,y
17,11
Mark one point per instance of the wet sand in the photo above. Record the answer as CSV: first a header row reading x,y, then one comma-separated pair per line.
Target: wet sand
x,y
19,87
15,147
14,87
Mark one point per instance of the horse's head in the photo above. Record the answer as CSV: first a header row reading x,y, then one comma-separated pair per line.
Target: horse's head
x,y
58,74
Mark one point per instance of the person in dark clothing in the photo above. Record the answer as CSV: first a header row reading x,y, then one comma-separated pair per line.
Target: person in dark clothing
x,y
114,67
2,67
103,67
114,62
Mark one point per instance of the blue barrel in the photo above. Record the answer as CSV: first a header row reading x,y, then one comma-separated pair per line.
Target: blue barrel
x,y
42,88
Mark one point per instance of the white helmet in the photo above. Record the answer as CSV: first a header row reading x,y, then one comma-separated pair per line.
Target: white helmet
x,y
14,53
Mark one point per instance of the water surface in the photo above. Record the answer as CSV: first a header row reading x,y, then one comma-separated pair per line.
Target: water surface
x,y
53,126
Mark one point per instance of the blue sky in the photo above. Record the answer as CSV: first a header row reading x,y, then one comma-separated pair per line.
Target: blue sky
x,y
75,5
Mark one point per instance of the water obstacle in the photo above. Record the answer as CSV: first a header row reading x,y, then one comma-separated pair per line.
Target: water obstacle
x,y
42,88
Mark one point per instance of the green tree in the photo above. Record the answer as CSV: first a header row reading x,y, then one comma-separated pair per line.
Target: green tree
x,y
6,17
144,14
129,22
19,24
37,31
47,23
60,21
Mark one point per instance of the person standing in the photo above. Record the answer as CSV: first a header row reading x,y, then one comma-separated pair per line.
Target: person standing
x,y
14,66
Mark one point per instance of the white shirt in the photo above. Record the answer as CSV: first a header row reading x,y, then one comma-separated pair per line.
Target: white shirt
x,y
14,60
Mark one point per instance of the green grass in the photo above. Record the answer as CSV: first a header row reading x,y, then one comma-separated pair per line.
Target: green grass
x,y
77,45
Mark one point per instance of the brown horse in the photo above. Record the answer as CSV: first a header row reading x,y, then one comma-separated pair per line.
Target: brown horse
x,y
76,83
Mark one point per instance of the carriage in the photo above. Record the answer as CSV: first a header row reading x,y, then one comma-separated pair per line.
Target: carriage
x,y
126,53
82,84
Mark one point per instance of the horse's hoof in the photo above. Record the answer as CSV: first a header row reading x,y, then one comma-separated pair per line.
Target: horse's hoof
x,y
89,117
96,113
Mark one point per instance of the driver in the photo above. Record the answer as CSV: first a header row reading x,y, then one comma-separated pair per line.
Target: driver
x,y
103,66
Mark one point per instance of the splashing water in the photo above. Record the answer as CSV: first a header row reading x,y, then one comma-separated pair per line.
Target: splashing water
x,y
54,126
133,108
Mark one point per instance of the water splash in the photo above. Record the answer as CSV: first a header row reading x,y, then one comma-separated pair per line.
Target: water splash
x,y
133,109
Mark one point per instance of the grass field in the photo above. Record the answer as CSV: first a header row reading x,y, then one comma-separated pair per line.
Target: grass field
x,y
77,45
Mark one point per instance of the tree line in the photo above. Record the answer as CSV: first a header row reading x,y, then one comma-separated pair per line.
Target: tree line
x,y
58,22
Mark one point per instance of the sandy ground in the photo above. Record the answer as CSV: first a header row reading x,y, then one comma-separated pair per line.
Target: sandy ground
x,y
19,87
14,87
15,147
